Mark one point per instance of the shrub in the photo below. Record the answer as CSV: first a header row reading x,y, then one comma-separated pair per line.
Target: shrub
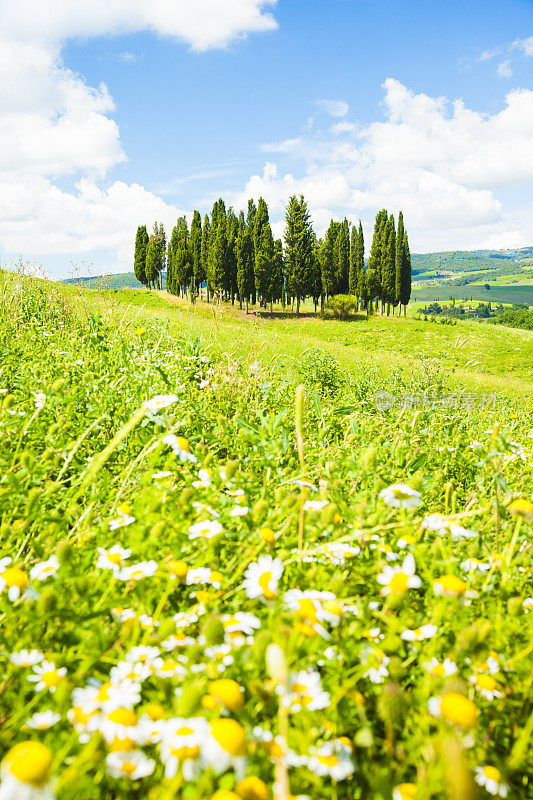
x,y
341,306
319,369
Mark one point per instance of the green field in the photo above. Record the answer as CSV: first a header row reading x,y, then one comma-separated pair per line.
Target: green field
x,y
220,545
511,293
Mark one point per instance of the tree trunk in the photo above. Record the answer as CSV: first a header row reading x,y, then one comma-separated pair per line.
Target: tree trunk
x,y
271,308
246,305
298,305
240,303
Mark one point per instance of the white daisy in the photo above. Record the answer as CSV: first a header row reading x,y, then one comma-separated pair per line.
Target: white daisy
x,y
205,529
396,580
491,779
400,496
41,721
132,764
261,578
44,569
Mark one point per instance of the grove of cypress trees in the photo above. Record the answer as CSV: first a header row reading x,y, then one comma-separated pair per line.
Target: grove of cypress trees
x,y
299,249
139,262
218,254
231,260
375,259
276,276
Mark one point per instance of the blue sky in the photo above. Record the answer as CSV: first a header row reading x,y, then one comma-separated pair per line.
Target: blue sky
x,y
349,101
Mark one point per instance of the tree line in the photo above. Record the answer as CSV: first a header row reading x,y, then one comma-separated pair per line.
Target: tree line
x,y
236,257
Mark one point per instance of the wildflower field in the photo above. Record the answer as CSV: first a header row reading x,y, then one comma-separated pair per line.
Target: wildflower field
x,y
227,576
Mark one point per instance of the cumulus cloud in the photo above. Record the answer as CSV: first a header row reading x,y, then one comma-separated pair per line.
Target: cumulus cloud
x,y
335,108
53,126
526,45
439,161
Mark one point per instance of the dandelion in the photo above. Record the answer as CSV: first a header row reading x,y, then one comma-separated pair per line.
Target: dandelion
x,y
445,526
454,708
419,634
261,578
43,720
25,772
400,496
47,676
206,529
160,402
136,572
180,447
449,586
113,558
45,569
132,764
396,580
486,686
441,669
521,508
26,658
491,779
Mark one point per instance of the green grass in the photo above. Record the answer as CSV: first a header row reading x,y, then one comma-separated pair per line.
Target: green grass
x,y
79,449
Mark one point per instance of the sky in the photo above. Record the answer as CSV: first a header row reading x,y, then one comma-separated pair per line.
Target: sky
x,y
116,113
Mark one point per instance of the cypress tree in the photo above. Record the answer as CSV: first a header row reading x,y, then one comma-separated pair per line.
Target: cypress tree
x,y
264,250
231,260
206,233
181,267
139,263
354,269
218,254
327,259
399,259
299,247
250,221
375,259
342,258
172,247
195,248
388,280
275,284
153,260
162,241
244,252
405,282
361,288
316,276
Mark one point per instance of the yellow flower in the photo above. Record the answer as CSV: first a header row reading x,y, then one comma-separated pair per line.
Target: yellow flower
x,y
252,788
225,794
29,762
449,586
229,735
178,568
140,331
521,508
404,791
227,692
454,708
154,711
268,536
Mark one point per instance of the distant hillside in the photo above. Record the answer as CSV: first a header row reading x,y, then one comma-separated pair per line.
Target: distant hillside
x,y
425,266
505,261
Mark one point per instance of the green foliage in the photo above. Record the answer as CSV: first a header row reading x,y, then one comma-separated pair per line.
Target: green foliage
x,y
341,306
319,369
299,248
141,243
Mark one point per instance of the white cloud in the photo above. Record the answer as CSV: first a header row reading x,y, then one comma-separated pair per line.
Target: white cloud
x,y
343,127
439,161
504,69
526,45
335,108
54,126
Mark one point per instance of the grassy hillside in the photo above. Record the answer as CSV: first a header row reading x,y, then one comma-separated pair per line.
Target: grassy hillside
x,y
210,566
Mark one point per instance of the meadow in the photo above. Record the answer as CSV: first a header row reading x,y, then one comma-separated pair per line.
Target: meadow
x,y
247,557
